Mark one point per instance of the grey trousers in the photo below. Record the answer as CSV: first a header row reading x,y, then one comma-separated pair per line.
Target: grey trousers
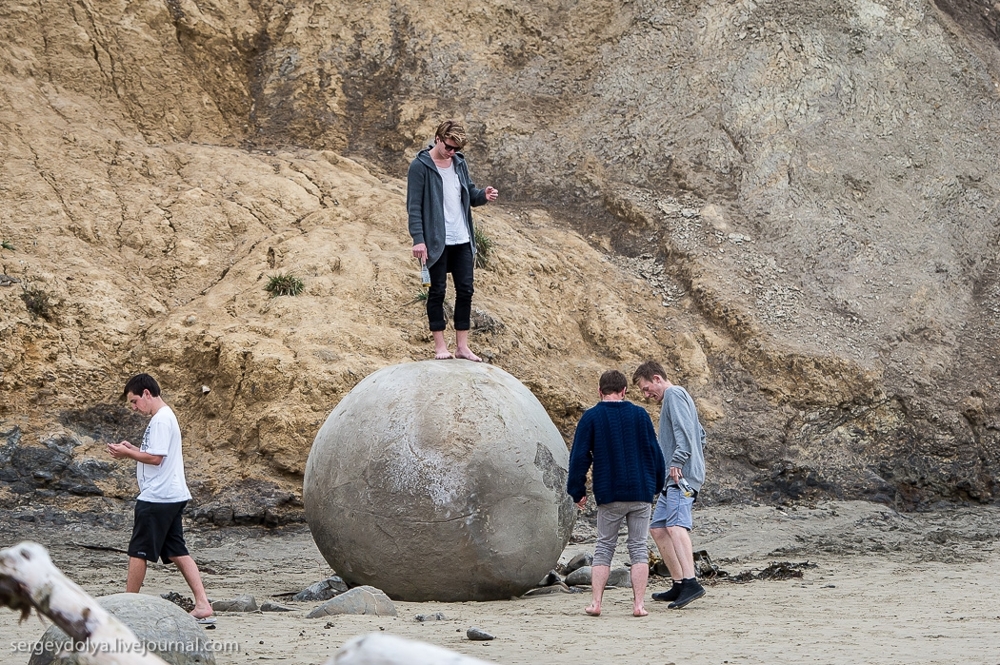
x,y
609,522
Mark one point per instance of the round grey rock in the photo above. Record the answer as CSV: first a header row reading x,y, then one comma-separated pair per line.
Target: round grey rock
x,y
451,466
578,561
579,577
159,626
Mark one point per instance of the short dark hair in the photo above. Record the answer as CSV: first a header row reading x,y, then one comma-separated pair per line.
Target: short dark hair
x,y
140,382
648,370
612,381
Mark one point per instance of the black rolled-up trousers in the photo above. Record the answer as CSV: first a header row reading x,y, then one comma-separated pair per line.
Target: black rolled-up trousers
x,y
459,261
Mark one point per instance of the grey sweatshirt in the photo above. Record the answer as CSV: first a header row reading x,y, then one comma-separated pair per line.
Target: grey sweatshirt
x,y
682,438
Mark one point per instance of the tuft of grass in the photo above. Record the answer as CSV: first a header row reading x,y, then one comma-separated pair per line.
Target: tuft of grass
x,y
284,284
6,245
37,301
484,247
421,295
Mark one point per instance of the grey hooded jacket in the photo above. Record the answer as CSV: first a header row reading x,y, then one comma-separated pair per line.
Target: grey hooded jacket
x,y
425,202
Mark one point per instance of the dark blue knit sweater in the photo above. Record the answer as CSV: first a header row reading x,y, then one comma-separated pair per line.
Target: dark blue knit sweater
x,y
618,439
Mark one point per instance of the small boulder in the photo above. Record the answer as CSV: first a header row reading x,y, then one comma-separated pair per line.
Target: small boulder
x,y
478,634
550,579
579,577
159,626
620,577
274,607
360,600
578,561
243,603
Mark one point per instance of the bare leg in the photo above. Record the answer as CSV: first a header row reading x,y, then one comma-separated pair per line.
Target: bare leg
x,y
136,574
639,575
681,540
462,349
189,569
441,351
665,545
598,580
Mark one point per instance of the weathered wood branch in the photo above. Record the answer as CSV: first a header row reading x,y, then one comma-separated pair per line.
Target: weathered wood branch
x,y
29,579
382,649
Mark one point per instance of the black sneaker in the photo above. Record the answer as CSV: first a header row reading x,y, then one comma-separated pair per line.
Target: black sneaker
x,y
673,594
691,590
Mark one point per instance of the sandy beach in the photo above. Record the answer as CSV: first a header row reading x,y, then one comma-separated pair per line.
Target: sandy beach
x,y
879,587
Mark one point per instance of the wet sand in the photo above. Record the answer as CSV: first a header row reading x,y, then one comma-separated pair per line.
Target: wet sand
x,y
886,588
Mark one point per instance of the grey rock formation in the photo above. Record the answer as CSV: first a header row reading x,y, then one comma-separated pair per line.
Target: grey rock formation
x,y
360,600
451,465
159,625
322,590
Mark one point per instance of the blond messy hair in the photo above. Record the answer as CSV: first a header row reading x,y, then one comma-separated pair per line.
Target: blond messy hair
x,y
454,130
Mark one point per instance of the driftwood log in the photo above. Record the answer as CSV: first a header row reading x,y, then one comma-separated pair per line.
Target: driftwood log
x,y
382,649
29,580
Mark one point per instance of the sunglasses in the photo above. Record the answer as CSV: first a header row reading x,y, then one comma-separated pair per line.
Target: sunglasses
x,y
450,148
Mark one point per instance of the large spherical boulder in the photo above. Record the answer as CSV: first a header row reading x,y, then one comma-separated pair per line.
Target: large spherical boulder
x,y
439,480
159,626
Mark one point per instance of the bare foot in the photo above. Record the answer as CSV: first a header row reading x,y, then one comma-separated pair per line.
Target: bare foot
x,y
593,610
639,612
443,355
466,354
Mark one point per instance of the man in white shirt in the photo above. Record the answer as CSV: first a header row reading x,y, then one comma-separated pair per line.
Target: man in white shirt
x,y
157,532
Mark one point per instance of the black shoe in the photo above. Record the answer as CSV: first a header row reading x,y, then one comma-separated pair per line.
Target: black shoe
x,y
673,594
691,590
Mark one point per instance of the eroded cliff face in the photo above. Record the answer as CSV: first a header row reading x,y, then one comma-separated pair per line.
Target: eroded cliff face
x,y
794,206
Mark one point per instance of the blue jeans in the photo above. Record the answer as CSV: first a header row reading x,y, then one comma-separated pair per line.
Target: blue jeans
x,y
459,261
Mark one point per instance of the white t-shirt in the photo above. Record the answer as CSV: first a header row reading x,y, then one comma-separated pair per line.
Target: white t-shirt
x,y
165,482
456,231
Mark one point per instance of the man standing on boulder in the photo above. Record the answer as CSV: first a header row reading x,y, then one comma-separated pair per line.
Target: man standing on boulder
x,y
618,439
157,532
439,197
682,439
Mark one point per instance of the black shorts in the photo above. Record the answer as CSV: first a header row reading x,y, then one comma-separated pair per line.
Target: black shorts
x,y
157,532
